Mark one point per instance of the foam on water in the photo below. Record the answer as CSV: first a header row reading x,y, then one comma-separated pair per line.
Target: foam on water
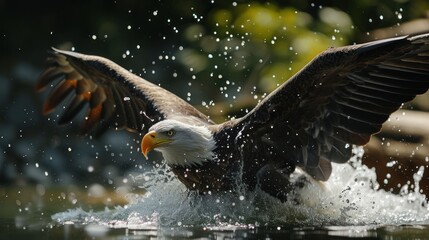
x,y
350,197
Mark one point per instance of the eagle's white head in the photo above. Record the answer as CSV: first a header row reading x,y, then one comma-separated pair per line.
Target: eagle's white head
x,y
180,143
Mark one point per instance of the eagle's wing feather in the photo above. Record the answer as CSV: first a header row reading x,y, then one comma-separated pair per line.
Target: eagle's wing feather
x,y
340,98
114,96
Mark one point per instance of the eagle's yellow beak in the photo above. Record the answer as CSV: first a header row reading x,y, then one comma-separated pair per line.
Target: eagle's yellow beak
x,y
151,141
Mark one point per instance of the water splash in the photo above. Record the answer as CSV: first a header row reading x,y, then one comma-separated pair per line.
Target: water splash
x,y
350,197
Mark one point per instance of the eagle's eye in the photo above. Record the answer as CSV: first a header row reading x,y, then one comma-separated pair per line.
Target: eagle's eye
x,y
170,133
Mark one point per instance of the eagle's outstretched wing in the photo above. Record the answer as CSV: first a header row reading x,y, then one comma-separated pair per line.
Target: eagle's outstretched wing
x,y
114,96
340,98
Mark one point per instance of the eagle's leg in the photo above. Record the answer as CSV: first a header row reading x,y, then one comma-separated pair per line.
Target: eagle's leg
x,y
275,181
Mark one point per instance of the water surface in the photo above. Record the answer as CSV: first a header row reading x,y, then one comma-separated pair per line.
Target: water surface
x,y
349,205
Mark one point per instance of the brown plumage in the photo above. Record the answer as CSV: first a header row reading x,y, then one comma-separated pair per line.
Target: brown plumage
x,y
340,98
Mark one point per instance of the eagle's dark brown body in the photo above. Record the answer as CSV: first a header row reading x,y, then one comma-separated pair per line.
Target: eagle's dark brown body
x,y
245,167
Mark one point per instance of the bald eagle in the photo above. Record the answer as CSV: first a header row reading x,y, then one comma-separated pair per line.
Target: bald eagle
x,y
339,99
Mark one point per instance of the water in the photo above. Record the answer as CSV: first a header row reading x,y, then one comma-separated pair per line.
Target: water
x,y
348,205
350,197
